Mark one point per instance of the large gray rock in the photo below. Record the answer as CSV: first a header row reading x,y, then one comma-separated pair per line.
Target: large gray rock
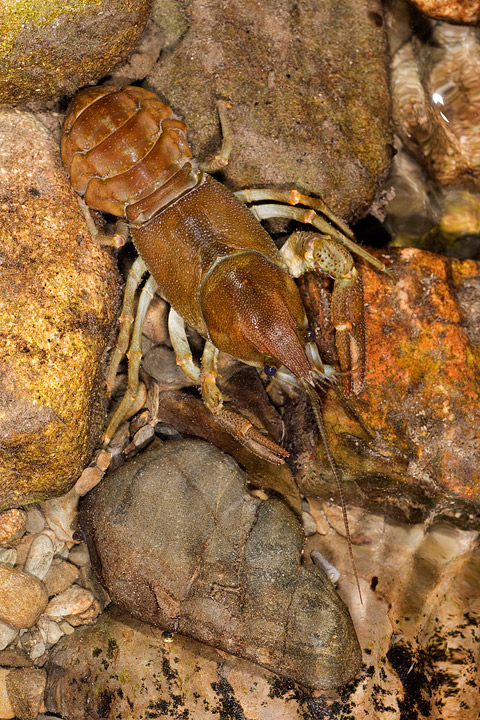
x,y
179,543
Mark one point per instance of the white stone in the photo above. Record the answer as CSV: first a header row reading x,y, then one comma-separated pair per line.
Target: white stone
x,y
40,556
73,601
8,556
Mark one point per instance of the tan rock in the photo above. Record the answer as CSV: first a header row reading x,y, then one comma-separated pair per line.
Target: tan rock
x,y
25,687
73,601
12,527
53,49
23,597
61,575
6,710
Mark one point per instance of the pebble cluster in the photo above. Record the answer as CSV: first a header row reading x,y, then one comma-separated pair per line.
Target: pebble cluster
x,y
47,589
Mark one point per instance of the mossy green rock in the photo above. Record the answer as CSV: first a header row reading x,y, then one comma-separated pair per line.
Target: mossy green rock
x,y
59,295
52,48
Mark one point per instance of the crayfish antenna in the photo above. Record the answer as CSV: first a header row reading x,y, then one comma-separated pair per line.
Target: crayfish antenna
x,y
321,429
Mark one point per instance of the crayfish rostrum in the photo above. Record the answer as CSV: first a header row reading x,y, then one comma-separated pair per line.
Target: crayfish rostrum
x,y
209,256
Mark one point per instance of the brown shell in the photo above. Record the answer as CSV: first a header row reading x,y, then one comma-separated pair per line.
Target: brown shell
x,y
126,152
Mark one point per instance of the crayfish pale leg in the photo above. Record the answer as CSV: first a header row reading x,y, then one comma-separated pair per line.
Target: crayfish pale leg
x,y
306,215
117,240
220,159
126,319
181,346
128,404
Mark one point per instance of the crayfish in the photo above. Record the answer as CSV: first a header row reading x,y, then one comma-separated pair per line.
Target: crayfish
x,y
210,258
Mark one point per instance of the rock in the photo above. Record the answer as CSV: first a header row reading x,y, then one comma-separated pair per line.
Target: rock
x,y
90,477
308,88
25,687
39,556
35,520
421,401
58,302
7,635
456,11
34,643
177,542
121,667
436,102
61,575
23,598
6,710
61,515
73,601
79,555
12,527
54,49
8,556
14,658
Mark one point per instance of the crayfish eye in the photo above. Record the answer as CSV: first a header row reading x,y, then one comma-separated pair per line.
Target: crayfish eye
x,y
308,334
269,370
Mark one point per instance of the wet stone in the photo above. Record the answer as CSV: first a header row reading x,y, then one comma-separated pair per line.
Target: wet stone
x,y
40,556
25,687
308,112
12,527
178,542
73,601
23,597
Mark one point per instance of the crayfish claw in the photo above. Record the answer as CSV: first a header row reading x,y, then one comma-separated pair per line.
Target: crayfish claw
x,y
249,436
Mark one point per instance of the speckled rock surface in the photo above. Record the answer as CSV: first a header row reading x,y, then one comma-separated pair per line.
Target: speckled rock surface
x,y
55,47
23,597
59,295
177,541
308,87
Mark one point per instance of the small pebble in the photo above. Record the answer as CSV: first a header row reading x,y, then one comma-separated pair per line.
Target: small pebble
x,y
50,629
35,520
14,658
61,515
103,460
87,617
309,525
40,556
6,710
73,601
65,627
79,555
23,597
141,439
90,477
12,527
8,556
34,642
60,577
7,634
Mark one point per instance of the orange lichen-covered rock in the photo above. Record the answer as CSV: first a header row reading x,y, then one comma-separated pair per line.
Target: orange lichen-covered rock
x,y
421,401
